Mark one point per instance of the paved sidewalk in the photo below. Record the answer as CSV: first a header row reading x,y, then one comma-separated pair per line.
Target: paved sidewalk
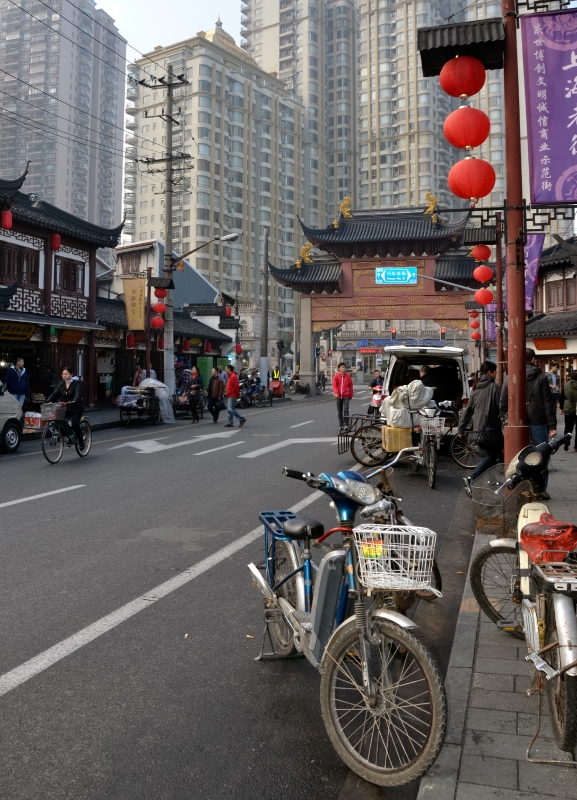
x,y
491,721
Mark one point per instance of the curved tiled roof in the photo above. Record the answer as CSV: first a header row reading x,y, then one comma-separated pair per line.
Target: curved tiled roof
x,y
457,267
482,39
557,323
324,275
113,313
556,256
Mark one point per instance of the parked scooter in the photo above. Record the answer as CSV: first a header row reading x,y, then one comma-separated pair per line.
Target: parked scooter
x,y
529,589
382,696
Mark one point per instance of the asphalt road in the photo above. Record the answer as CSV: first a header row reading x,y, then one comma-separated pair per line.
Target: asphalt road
x,y
111,687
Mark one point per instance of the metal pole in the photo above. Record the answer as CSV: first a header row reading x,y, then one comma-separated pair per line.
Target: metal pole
x,y
148,298
516,432
169,378
499,316
264,320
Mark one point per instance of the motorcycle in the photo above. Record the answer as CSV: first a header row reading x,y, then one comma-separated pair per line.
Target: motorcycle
x,y
529,589
382,696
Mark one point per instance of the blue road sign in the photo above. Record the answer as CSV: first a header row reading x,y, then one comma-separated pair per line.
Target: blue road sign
x,y
396,276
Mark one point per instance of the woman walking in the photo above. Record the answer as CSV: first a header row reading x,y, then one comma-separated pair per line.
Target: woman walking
x,y
568,403
195,389
483,407
215,394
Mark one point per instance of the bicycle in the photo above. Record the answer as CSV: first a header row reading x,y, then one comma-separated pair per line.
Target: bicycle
x,y
262,397
59,432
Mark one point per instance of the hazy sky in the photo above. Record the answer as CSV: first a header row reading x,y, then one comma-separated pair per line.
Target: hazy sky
x,y
146,23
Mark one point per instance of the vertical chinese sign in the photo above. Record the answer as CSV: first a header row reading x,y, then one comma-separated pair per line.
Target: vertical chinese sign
x,y
533,249
550,62
135,302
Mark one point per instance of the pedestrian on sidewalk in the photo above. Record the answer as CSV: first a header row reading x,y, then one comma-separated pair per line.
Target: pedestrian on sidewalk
x,y
215,394
343,392
377,387
223,376
195,390
17,382
568,402
483,407
554,383
541,414
232,395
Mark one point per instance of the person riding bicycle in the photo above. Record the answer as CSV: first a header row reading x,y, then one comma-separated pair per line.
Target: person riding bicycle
x,y
69,391
253,383
377,387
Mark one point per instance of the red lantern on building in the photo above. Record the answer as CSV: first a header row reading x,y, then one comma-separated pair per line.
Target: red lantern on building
x,y
6,220
484,297
228,311
161,343
130,340
475,324
473,314
55,241
208,347
466,128
157,322
471,179
186,346
462,76
160,293
483,273
476,336
238,348
481,252
159,308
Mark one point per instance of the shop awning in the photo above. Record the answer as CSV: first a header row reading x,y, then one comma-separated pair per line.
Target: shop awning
x,y
52,322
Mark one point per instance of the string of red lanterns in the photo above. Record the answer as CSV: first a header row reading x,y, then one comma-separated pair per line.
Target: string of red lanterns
x,y
159,308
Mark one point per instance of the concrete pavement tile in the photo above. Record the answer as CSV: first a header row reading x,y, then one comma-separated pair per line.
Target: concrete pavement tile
x,y
526,724
503,745
506,701
463,651
505,651
548,779
441,780
485,719
522,683
469,791
494,681
496,666
500,772
457,684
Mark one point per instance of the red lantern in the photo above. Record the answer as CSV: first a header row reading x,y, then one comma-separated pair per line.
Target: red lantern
x,y
473,314
159,308
238,348
6,220
130,340
483,273
475,324
471,179
228,311
208,347
476,336
462,76
186,346
55,241
160,293
466,128
157,322
484,297
481,252
161,343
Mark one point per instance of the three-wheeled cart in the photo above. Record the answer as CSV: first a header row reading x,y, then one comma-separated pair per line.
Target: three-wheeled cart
x,y
140,402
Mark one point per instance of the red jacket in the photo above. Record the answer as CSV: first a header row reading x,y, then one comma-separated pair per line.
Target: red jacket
x,y
232,386
343,385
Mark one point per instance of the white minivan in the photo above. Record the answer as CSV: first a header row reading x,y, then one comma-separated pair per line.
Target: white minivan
x,y
11,421
446,370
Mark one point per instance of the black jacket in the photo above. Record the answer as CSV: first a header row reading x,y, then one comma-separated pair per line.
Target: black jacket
x,y
72,395
483,406
540,403
196,386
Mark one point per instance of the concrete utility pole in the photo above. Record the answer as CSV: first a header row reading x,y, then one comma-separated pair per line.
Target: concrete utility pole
x,y
169,378
264,320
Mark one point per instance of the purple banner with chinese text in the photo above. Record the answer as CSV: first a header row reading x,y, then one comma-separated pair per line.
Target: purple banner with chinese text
x,y
550,62
533,250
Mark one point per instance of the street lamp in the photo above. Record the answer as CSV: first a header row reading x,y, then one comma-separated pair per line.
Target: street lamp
x,y
230,237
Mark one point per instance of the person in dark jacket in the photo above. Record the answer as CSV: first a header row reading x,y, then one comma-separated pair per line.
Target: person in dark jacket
x,y
17,382
69,391
215,394
195,389
483,408
568,403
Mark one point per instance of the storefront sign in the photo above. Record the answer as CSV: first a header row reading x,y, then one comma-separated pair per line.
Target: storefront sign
x,y
135,302
553,343
396,276
368,350
18,331
70,337
550,61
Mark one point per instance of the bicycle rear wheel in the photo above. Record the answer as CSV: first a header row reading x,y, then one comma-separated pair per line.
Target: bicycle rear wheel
x,y
52,444
494,577
367,447
87,437
260,399
285,562
464,451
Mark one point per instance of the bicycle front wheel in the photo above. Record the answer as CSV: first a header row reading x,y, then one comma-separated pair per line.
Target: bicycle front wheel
x,y
260,399
494,578
464,452
367,447
396,740
52,444
432,464
86,437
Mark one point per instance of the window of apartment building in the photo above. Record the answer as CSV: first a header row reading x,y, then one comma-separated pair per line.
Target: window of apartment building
x,y
68,276
130,263
18,264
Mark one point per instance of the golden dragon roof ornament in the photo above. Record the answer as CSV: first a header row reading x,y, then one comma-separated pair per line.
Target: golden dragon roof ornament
x,y
306,257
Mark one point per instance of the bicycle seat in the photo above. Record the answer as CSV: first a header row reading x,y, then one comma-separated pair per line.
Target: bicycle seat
x,y
301,527
549,534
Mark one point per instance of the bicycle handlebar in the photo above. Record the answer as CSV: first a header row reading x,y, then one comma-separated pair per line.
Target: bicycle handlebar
x,y
393,462
293,473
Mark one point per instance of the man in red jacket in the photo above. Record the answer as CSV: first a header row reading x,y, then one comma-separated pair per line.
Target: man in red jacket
x,y
343,392
232,395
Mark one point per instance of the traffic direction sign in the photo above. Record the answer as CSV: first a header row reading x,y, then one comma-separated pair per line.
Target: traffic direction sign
x,y
396,276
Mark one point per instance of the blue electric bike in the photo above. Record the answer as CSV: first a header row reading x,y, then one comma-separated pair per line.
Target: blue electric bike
x,y
382,696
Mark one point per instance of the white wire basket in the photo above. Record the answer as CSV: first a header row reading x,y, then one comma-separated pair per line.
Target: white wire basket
x,y
395,557
433,426
52,411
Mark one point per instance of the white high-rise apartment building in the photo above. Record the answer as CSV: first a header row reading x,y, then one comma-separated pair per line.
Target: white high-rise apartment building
x,y
62,70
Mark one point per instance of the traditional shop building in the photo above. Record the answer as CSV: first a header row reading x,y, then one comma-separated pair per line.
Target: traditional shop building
x,y
48,273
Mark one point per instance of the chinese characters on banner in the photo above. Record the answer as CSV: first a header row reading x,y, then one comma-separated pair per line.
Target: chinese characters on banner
x,y
135,302
550,62
533,250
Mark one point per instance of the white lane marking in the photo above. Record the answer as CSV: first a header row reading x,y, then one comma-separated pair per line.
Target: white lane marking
x,y
15,677
154,446
302,423
286,443
44,494
214,449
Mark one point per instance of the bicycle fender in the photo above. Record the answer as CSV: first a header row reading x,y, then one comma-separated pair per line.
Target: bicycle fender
x,y
394,616
511,543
